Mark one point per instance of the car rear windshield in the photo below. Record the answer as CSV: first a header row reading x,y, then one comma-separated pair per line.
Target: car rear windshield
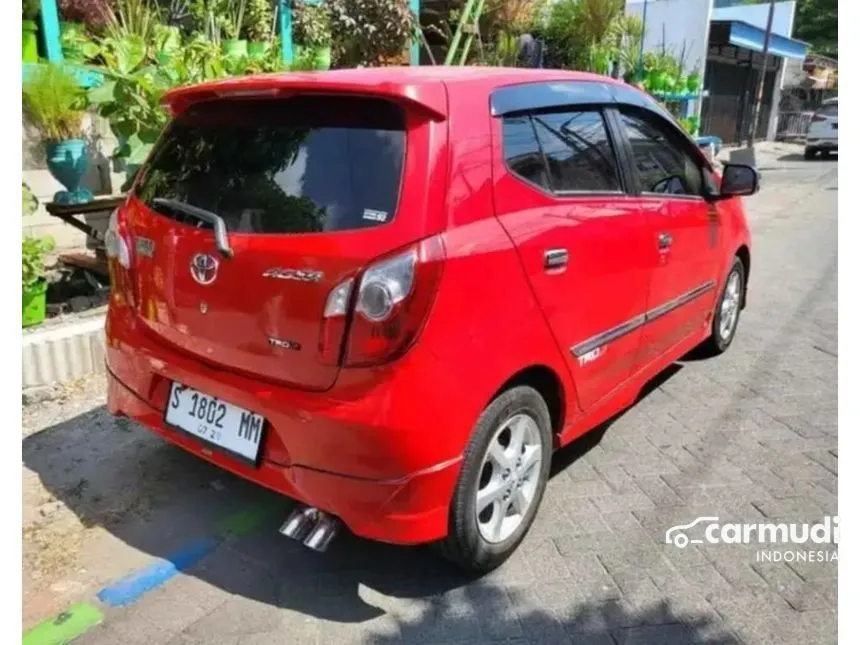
x,y
297,165
832,109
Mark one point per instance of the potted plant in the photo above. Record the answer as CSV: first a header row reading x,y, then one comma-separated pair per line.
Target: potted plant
x,y
259,23
29,31
54,103
231,25
312,31
34,286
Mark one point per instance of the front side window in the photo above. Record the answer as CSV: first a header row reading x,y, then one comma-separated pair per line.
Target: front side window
x,y
298,165
661,166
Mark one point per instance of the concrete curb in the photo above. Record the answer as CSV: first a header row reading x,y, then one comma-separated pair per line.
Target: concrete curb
x,y
63,353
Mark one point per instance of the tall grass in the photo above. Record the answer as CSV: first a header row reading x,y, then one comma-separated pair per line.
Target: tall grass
x,y
54,103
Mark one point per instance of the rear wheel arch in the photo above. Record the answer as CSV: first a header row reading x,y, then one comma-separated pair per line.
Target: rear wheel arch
x,y
548,384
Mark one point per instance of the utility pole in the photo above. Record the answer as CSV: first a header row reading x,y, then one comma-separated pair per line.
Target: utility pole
x,y
642,43
761,79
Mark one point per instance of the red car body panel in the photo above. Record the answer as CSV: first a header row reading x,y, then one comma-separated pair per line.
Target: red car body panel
x,y
381,446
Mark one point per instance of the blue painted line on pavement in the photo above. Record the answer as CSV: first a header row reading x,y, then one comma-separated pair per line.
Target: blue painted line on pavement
x,y
130,588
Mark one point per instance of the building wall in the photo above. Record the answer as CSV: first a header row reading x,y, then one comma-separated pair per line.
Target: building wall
x,y
681,26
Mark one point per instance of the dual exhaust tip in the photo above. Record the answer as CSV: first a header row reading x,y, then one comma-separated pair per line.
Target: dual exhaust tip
x,y
312,527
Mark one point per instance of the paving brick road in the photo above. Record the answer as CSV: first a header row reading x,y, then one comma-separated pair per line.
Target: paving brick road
x,y
749,437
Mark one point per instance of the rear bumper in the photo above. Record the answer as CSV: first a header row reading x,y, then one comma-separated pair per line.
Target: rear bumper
x,y
404,504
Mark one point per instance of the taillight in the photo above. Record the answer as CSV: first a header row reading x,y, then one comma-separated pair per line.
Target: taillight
x,y
385,314
334,322
118,248
116,244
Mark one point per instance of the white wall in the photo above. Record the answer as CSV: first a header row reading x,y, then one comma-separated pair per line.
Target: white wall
x,y
684,24
756,15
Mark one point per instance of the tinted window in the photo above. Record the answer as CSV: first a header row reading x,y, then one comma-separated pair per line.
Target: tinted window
x,y
522,152
661,166
829,110
296,165
578,151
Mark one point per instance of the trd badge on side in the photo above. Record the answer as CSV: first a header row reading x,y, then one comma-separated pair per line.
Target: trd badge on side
x,y
284,344
300,275
591,356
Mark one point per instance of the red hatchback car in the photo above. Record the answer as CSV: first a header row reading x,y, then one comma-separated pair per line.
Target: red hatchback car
x,y
391,294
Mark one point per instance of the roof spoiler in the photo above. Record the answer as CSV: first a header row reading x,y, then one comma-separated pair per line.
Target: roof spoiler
x,y
430,98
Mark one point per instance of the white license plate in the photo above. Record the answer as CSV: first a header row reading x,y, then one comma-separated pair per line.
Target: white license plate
x,y
222,424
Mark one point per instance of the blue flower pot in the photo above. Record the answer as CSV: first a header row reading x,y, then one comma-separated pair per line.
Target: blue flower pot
x,y
67,163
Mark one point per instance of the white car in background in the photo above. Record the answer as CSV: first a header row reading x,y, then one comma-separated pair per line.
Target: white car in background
x,y
823,133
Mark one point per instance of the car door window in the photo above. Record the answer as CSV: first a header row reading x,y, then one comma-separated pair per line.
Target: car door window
x,y
661,165
563,152
578,151
522,152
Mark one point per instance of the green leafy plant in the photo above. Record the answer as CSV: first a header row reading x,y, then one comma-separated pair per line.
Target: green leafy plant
x,y
311,25
585,34
77,46
259,20
33,251
366,32
54,103
130,97
29,203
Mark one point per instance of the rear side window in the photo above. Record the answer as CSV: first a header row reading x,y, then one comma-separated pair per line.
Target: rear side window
x,y
522,152
297,165
573,148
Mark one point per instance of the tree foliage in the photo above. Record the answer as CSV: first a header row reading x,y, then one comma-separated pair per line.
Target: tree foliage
x,y
817,23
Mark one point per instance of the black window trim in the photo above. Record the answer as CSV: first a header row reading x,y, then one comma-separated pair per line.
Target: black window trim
x,y
601,109
629,163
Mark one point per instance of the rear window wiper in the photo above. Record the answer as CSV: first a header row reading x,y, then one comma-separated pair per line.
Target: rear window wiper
x,y
214,219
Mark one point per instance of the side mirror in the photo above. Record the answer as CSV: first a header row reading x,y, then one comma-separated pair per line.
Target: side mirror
x,y
739,180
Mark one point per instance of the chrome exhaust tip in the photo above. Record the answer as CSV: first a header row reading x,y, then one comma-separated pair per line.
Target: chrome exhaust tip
x,y
323,533
300,523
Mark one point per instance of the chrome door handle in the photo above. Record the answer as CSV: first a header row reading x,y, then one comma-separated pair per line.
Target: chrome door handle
x,y
664,241
555,259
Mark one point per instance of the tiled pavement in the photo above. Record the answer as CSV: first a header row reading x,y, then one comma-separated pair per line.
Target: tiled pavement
x,y
749,436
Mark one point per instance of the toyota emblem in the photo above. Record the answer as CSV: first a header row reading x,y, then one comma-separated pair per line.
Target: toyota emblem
x,y
204,268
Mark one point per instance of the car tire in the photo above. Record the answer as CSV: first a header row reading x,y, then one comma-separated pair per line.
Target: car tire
x,y
723,329
809,153
473,543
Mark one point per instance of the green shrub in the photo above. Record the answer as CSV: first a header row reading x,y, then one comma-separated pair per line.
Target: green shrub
x,y
259,20
311,25
366,32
